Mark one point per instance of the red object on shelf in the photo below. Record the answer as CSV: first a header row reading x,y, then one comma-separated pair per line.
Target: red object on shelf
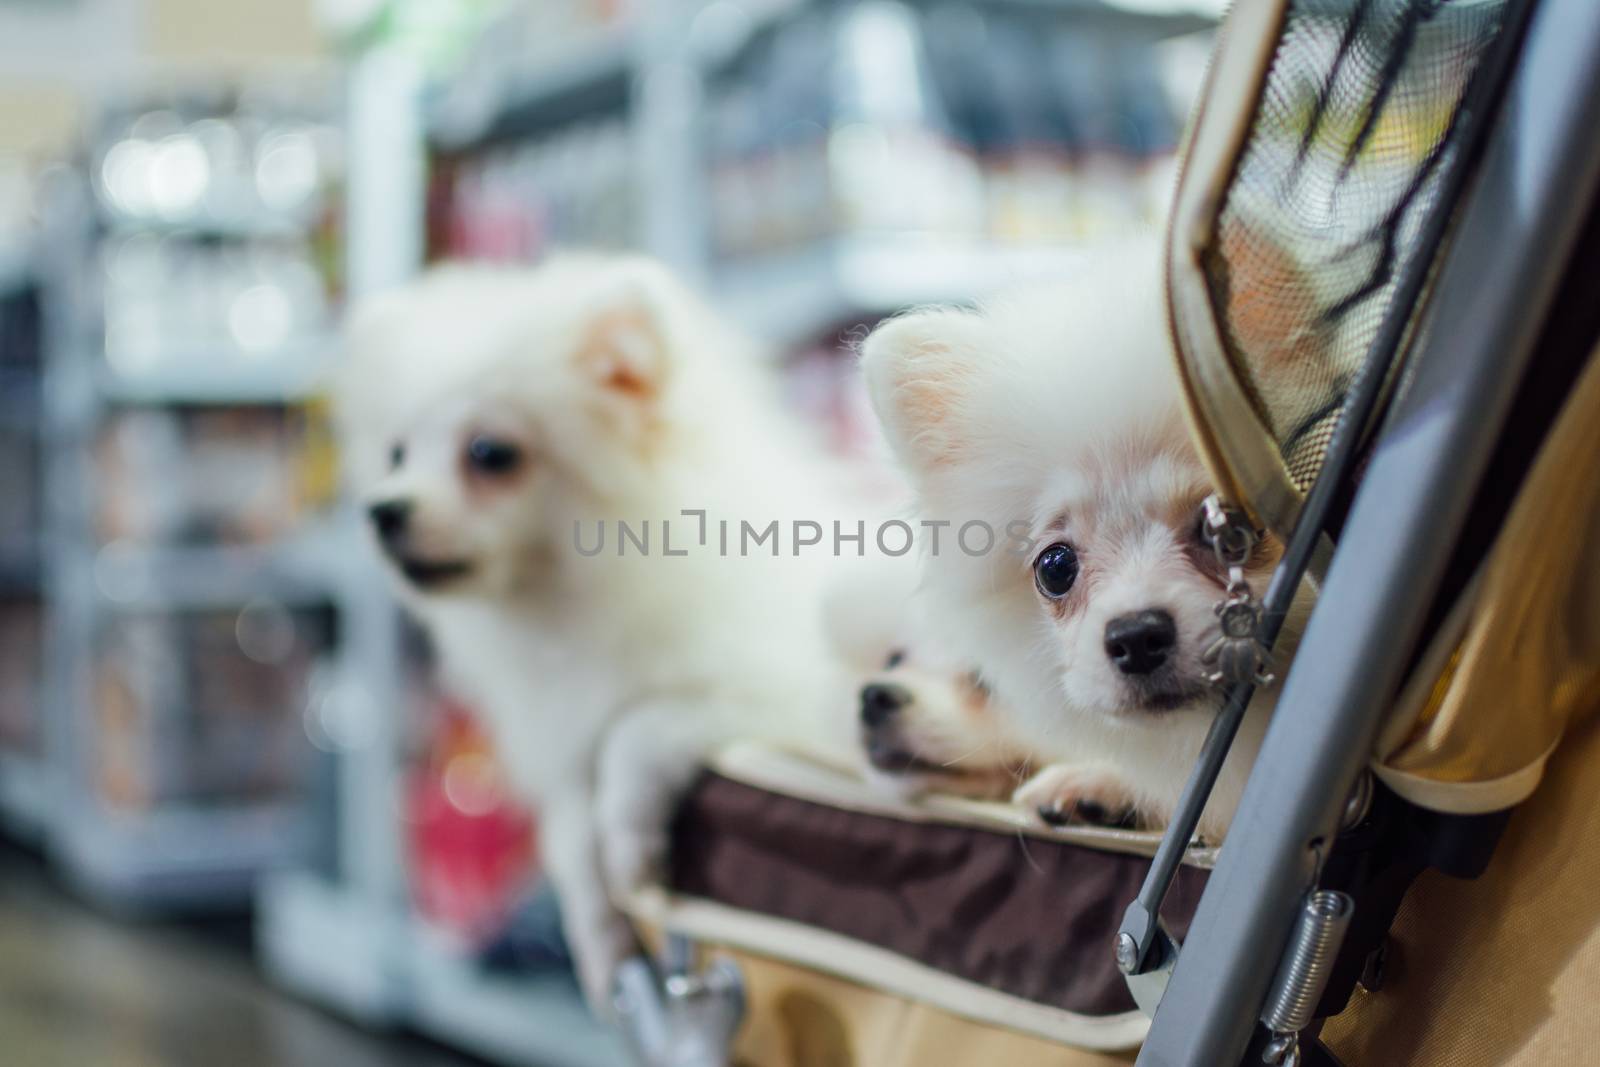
x,y
473,847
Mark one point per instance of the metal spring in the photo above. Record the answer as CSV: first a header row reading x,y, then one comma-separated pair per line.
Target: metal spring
x,y
1307,962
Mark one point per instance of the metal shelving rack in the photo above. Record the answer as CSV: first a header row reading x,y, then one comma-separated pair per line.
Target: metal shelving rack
x,y
181,853
787,296
349,939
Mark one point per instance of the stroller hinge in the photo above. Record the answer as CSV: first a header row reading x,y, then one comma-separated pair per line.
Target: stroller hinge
x,y
676,1016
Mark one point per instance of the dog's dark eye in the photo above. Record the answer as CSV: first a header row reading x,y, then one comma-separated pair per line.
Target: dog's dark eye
x,y
896,657
397,455
1055,570
488,455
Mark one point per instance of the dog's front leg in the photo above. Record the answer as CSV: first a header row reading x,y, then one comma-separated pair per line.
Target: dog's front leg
x,y
1090,794
598,935
648,761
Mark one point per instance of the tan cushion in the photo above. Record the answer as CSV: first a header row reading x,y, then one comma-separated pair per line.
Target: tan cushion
x,y
799,1018
1501,971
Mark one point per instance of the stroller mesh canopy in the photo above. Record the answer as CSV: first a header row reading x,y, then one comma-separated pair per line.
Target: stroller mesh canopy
x,y
1331,152
1341,164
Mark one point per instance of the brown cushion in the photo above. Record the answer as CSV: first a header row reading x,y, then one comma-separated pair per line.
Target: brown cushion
x,y
1030,917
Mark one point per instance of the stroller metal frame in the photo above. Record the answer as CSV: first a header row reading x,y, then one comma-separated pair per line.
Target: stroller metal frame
x,y
1534,185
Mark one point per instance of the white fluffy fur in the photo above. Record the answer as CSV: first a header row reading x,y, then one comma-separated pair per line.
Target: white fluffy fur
x,y
1059,410
602,679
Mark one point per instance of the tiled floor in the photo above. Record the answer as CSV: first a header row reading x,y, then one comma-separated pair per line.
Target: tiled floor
x,y
80,990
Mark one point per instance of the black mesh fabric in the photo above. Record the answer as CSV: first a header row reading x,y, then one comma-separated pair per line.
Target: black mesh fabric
x,y
1342,165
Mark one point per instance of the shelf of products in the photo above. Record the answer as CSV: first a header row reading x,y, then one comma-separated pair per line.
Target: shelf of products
x,y
195,568
222,304
204,708
304,569
20,512
390,968
207,475
229,164
511,202
786,296
519,78
24,799
291,374
420,949
971,123
819,138
197,858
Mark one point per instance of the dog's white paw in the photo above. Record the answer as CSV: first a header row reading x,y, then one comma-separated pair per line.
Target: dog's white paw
x,y
1085,794
647,764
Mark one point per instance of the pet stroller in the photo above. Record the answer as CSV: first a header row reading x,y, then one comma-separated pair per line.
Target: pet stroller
x,y
1384,285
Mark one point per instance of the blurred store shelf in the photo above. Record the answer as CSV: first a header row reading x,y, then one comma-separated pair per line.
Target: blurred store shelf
x,y
380,965
179,856
213,375
20,571
331,945
787,297
24,776
195,578
534,1021
230,226
19,400
16,268
307,568
24,796
507,92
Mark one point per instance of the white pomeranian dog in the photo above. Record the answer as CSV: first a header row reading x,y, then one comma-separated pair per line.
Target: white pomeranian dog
x,y
1054,418
927,726
573,471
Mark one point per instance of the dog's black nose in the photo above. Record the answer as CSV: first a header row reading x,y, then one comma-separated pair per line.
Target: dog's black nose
x,y
389,517
881,701
1141,642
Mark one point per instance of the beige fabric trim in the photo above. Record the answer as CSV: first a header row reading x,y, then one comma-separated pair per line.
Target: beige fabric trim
x,y
1241,454
830,953
1468,798
778,771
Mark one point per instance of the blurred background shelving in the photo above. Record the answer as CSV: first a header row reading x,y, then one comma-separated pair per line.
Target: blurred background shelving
x,y
189,529
23,797
208,697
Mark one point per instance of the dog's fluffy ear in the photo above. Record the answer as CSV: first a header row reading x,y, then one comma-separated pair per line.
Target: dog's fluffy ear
x,y
623,347
918,369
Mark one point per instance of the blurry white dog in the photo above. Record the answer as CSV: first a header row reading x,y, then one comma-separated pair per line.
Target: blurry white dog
x,y
927,726
1054,417
502,427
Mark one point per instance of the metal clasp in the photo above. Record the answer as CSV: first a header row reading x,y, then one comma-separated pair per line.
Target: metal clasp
x,y
676,1016
1238,655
